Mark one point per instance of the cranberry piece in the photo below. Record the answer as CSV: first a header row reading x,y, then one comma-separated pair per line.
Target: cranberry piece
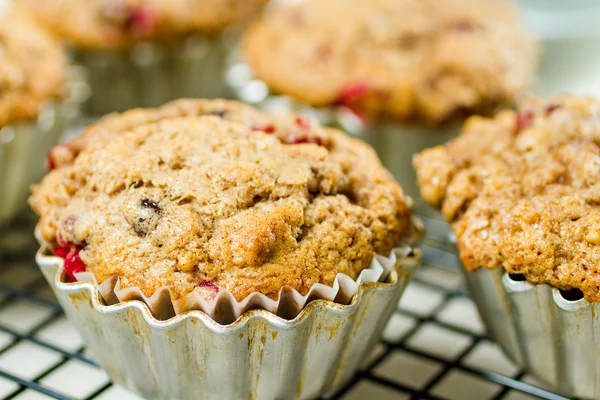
x,y
50,163
209,285
302,123
551,108
51,159
152,205
269,128
303,139
73,263
524,120
62,252
141,20
352,92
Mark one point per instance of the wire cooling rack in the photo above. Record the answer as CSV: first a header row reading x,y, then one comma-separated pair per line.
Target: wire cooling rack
x,y
434,347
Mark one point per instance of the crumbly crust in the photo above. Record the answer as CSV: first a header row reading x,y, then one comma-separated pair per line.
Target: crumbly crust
x,y
409,59
218,193
33,69
118,24
522,191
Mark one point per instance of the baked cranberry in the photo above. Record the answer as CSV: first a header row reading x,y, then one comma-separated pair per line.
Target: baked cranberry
x,y
50,163
73,263
62,252
209,285
351,95
303,139
523,121
269,128
302,123
70,253
141,20
56,151
352,92
551,108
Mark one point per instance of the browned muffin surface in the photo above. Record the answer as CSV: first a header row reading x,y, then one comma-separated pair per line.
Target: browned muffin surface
x,y
33,69
115,24
407,59
218,193
522,191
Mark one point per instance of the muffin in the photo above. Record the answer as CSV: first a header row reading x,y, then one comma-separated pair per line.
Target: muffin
x,y
215,212
521,193
146,52
402,68
33,84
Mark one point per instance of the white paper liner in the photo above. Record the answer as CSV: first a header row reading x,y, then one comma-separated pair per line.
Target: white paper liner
x,y
224,308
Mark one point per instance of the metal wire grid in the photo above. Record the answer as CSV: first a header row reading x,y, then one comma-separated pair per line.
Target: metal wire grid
x,y
439,269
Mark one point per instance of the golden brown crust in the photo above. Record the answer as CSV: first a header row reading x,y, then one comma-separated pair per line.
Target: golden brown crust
x,y
522,191
117,24
408,59
33,69
220,192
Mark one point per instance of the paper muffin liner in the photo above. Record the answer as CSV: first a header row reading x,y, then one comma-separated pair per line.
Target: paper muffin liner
x,y
555,339
24,148
395,143
151,74
258,356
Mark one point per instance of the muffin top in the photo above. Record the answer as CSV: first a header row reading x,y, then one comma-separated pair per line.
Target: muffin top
x,y
428,60
116,24
216,194
522,191
33,69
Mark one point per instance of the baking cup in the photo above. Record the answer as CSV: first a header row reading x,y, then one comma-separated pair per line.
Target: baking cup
x,y
150,74
395,143
554,338
24,148
259,356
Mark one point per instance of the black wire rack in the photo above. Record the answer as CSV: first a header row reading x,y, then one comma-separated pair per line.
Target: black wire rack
x,y
433,348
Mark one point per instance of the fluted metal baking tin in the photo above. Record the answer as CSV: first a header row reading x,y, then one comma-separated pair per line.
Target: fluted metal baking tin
x,y
23,151
259,356
395,143
554,339
149,74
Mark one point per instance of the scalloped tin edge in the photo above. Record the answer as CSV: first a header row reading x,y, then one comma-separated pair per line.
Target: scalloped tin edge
x,y
259,356
52,267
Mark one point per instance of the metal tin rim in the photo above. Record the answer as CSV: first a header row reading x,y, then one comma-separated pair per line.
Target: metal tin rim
x,y
394,279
